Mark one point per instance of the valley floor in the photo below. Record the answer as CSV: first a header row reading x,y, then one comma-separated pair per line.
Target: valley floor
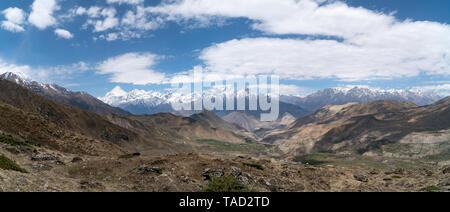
x,y
48,171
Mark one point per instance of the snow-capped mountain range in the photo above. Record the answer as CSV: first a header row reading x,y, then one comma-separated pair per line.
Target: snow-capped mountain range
x,y
149,102
340,96
144,102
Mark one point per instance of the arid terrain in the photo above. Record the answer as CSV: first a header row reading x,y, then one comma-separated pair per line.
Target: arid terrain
x,y
48,145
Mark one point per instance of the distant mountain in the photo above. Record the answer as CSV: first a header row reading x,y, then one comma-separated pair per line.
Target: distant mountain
x,y
141,102
340,96
63,95
252,124
180,130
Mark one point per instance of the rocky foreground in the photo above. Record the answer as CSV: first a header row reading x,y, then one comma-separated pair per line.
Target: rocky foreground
x,y
48,171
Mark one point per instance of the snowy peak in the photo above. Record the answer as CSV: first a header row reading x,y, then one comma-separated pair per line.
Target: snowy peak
x,y
341,96
117,91
13,77
118,97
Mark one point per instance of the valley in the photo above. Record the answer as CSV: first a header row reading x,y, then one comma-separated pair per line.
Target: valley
x,y
50,143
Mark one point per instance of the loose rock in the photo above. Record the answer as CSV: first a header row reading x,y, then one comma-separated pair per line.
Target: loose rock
x,y
44,157
147,169
235,171
361,177
77,159
210,173
446,170
90,185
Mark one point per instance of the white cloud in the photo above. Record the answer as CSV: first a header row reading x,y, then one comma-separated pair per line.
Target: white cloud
x,y
93,12
44,74
308,59
139,20
112,36
132,2
6,25
441,89
134,68
109,20
15,17
42,13
63,33
132,24
21,70
374,45
294,90
310,17
80,11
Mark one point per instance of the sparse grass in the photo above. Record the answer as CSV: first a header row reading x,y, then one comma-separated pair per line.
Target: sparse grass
x,y
245,138
13,141
437,158
254,165
223,146
226,183
430,189
358,161
310,159
7,164
129,156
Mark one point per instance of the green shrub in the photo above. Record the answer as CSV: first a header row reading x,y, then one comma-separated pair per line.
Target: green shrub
x,y
308,159
12,141
7,164
396,177
226,183
254,165
430,189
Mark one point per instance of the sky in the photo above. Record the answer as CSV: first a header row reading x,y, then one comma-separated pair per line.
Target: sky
x,y
96,45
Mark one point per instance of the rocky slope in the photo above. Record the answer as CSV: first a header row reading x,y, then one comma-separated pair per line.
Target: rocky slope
x,y
381,128
182,130
252,124
375,146
34,118
58,172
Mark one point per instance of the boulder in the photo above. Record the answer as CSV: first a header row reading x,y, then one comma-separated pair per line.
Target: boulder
x,y
90,185
44,157
210,173
244,180
399,171
76,159
235,171
361,177
148,169
445,182
446,170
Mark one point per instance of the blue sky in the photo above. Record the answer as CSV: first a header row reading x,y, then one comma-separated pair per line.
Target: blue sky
x,y
94,46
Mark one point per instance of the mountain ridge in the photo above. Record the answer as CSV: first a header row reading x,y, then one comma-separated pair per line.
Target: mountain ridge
x,y
65,96
340,96
365,128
